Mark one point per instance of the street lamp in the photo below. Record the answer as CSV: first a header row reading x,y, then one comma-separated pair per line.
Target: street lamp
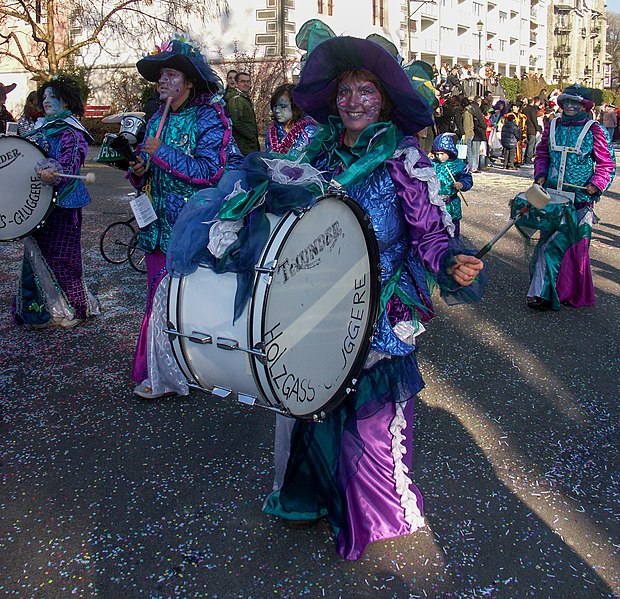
x,y
479,26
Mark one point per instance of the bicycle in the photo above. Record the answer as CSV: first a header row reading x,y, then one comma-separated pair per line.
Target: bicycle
x,y
119,243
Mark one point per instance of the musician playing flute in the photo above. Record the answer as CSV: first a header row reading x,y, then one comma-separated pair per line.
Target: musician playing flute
x,y
188,145
52,290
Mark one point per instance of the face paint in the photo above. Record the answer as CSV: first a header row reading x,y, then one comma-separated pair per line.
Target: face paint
x,y
52,104
572,107
359,105
172,84
282,110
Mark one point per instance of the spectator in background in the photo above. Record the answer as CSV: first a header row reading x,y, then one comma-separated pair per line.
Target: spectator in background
x,y
532,128
476,148
609,119
242,115
32,113
231,84
5,115
511,135
487,102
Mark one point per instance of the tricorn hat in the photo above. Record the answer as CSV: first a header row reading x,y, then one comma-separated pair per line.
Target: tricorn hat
x,y
577,92
182,56
7,88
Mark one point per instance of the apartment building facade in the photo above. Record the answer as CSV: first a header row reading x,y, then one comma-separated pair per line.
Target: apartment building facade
x,y
562,40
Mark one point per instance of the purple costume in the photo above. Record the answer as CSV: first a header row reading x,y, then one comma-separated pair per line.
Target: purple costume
x,y
52,286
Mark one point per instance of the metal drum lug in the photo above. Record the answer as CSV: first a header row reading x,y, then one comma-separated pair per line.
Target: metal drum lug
x,y
195,337
233,345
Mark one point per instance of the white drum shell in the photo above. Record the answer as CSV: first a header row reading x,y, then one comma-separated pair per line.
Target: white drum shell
x,y
311,316
24,201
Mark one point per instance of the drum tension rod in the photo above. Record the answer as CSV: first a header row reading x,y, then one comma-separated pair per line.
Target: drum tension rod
x,y
202,339
233,345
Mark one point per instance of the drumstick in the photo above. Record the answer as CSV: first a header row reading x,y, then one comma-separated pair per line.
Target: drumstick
x,y
535,201
164,116
88,177
576,186
458,190
161,124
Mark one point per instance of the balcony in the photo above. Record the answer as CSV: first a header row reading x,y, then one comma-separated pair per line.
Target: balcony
x,y
429,12
562,51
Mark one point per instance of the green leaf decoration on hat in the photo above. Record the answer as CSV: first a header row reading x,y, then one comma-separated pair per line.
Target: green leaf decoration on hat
x,y
387,44
311,34
420,74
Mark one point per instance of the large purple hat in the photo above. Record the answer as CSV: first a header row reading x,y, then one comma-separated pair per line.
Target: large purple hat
x,y
333,57
182,56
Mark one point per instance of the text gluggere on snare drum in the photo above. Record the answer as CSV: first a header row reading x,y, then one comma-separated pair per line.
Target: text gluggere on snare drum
x,y
309,256
21,215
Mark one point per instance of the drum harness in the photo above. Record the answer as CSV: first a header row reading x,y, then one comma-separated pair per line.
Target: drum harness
x,y
565,150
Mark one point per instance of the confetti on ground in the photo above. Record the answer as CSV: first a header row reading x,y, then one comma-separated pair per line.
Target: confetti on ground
x,y
516,437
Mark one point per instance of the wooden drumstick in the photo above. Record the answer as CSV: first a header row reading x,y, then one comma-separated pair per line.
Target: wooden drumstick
x,y
161,124
88,177
576,186
537,199
164,116
458,190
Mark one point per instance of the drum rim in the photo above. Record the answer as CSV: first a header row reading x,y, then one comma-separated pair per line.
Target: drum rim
x,y
348,383
52,199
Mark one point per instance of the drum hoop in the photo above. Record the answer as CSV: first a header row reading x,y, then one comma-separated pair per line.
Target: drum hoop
x,y
52,200
348,383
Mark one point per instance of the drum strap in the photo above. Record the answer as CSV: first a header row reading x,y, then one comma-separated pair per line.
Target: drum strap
x,y
565,150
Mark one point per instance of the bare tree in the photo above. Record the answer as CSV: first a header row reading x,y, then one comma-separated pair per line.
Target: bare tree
x,y
41,36
266,74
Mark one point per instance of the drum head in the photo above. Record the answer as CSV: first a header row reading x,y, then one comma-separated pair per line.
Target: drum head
x,y
314,316
24,201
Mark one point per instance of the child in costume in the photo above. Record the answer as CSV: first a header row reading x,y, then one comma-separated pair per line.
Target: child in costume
x,y
453,174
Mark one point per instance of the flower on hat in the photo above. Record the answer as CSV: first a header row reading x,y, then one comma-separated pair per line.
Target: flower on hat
x,y
163,47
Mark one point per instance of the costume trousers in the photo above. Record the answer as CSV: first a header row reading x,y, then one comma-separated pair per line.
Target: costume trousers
x,y
155,272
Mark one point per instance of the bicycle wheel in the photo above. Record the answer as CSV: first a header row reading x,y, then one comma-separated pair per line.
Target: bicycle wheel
x,y
135,254
114,242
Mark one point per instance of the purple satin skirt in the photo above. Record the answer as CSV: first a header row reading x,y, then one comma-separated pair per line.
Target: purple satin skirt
x,y
574,284
382,501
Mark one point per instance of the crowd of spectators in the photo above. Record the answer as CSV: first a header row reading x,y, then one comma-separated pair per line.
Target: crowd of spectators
x,y
477,122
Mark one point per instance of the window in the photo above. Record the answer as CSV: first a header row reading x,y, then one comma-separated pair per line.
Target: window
x,y
329,4
502,17
502,45
477,9
378,12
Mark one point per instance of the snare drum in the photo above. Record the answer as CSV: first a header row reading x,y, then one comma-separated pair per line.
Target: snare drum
x,y
306,331
24,201
108,155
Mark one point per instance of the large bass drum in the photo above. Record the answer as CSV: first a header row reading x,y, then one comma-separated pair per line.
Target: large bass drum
x,y
306,331
24,201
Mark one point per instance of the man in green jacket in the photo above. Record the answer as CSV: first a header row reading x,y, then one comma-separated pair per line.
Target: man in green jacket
x,y
241,111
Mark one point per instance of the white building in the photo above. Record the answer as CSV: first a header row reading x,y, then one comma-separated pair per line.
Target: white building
x,y
559,39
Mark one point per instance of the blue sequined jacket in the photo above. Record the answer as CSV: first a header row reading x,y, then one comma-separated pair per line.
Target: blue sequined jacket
x,y
197,148
413,232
